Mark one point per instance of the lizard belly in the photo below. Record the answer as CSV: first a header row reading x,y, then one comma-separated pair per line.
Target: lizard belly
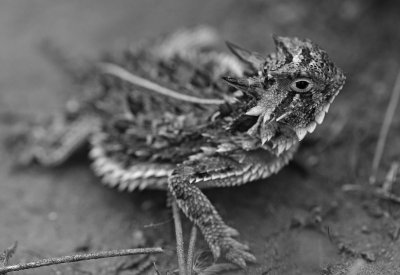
x,y
257,164
137,176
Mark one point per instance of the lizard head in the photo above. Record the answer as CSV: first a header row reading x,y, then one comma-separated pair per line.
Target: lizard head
x,y
293,87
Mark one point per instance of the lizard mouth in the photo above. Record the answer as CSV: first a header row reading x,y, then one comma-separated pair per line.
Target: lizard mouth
x,y
320,115
286,139
301,132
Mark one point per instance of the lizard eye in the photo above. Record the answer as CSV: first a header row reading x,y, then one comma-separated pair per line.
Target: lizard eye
x,y
301,85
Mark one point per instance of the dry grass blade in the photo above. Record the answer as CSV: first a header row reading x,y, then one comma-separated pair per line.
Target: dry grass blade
x,y
179,239
388,196
80,257
391,177
390,111
117,71
156,269
192,243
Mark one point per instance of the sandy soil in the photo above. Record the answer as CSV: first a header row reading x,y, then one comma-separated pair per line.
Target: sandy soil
x,y
297,222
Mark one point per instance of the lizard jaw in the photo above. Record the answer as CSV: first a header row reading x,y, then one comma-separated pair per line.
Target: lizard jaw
x,y
301,132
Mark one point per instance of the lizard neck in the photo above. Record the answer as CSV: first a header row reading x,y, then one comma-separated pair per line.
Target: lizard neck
x,y
274,136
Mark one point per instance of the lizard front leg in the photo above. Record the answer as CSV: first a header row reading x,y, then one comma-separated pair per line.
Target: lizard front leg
x,y
220,171
52,143
199,209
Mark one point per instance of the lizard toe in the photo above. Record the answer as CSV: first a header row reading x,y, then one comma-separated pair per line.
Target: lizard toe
x,y
215,250
230,231
236,252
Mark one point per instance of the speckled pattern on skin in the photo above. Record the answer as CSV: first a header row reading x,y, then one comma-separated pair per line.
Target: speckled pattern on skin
x,y
141,139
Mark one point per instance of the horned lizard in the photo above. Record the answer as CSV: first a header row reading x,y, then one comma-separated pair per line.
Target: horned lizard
x,y
176,114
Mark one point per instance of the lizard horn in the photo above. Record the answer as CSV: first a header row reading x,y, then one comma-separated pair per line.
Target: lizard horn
x,y
252,58
239,83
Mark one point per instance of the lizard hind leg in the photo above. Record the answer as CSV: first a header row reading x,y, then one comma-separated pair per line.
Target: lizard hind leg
x,y
51,143
197,207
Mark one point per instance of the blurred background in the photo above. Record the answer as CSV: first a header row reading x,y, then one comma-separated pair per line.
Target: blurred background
x,y
65,210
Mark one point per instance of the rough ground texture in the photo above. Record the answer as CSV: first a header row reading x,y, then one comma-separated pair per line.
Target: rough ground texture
x,y
64,210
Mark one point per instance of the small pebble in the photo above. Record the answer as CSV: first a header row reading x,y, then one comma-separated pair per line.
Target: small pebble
x,y
365,229
52,216
138,238
368,256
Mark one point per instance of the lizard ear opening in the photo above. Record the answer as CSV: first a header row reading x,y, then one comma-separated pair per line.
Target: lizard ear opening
x,y
243,123
254,59
134,106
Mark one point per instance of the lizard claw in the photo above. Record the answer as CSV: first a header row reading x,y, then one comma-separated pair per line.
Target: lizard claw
x,y
241,258
236,252
231,231
231,249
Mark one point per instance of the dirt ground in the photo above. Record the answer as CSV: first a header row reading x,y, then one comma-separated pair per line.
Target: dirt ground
x,y
297,222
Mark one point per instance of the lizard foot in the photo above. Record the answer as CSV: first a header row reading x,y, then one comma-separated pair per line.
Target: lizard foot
x,y
196,206
231,249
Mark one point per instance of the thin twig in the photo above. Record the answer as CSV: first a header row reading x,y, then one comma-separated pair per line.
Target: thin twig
x,y
192,243
150,225
144,83
387,196
80,257
156,269
391,177
179,238
394,99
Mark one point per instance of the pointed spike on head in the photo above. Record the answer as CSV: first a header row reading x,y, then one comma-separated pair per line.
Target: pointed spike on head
x,y
277,39
301,133
289,144
281,148
254,59
266,118
255,111
326,108
239,83
264,140
283,116
311,127
283,45
319,118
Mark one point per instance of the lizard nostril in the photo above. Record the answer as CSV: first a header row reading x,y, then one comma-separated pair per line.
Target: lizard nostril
x,y
268,82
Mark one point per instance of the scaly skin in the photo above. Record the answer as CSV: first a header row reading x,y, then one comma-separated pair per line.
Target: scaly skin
x,y
143,139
